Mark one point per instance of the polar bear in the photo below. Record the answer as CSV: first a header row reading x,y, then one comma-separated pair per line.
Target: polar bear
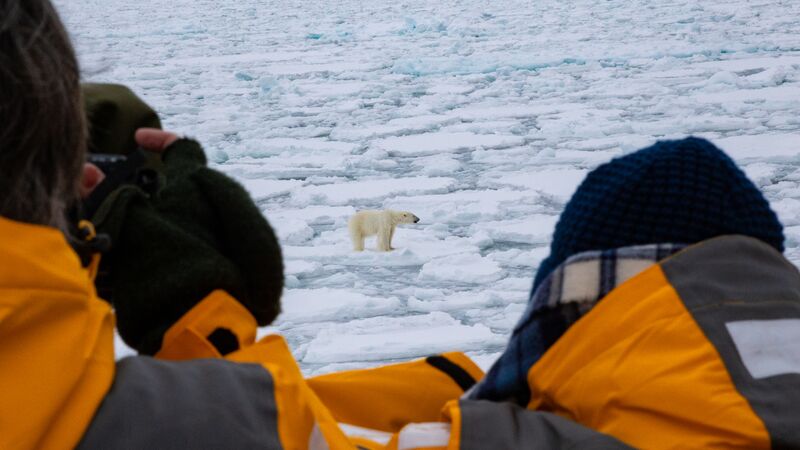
x,y
381,223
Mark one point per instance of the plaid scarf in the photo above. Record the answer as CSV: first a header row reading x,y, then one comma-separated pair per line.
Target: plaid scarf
x,y
569,292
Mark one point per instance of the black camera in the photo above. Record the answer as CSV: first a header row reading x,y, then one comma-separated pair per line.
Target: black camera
x,y
119,170
107,162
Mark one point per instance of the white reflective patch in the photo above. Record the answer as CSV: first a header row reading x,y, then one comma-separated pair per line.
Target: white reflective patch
x,y
381,437
768,347
420,435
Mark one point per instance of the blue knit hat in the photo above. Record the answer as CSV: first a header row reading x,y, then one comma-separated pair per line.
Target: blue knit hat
x,y
678,192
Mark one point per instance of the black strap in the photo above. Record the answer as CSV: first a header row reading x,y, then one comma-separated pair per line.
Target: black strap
x,y
86,247
453,370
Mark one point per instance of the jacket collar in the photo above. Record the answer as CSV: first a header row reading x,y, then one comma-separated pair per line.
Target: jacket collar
x,y
36,256
587,277
566,295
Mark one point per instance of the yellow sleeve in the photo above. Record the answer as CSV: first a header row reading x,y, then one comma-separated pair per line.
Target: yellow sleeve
x,y
389,397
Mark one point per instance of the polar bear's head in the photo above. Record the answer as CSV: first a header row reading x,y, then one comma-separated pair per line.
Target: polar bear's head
x,y
404,217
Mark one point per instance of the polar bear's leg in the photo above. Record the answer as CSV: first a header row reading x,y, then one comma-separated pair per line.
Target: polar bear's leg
x,y
385,239
391,237
356,236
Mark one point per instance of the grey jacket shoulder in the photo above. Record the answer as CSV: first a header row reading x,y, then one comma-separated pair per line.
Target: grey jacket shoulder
x,y
502,425
199,404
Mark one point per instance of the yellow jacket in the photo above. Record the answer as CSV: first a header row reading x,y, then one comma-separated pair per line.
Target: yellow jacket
x,y
685,355
56,341
699,351
60,387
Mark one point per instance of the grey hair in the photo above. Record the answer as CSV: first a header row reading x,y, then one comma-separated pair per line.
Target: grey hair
x,y
42,126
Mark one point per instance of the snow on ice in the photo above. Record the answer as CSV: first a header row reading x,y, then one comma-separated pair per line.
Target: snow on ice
x,y
480,118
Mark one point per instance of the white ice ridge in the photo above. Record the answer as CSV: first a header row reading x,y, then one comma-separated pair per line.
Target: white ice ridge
x,y
392,338
481,118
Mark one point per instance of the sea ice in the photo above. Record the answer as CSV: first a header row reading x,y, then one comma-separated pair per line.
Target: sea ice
x,y
313,305
479,117
463,268
392,338
366,190
431,143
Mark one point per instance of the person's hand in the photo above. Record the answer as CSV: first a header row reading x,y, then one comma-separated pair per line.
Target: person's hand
x,y
92,176
153,139
174,243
